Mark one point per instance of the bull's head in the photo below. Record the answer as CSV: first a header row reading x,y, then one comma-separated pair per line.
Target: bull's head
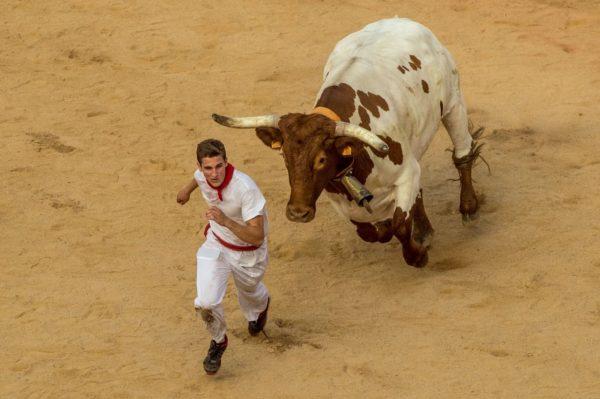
x,y
315,149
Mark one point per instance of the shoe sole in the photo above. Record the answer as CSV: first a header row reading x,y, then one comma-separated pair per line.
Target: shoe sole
x,y
210,372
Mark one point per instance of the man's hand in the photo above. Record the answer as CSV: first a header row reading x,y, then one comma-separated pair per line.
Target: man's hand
x,y
183,196
214,213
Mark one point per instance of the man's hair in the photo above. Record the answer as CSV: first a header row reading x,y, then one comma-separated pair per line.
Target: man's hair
x,y
210,148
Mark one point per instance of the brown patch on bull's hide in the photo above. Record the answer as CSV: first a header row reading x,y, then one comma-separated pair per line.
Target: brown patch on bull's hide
x,y
339,99
402,69
416,62
395,152
365,120
373,102
425,86
441,108
363,166
422,229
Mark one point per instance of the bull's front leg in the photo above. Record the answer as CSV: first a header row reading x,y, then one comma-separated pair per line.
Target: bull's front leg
x,y
377,232
414,252
407,191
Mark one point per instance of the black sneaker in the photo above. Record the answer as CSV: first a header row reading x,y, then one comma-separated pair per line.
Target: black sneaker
x,y
212,361
255,327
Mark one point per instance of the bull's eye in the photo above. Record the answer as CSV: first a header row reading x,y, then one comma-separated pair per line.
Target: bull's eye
x,y
320,163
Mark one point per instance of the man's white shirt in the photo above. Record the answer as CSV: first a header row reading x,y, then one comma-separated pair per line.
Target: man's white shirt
x,y
242,201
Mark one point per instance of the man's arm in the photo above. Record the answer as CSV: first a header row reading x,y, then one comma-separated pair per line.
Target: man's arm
x,y
251,232
184,194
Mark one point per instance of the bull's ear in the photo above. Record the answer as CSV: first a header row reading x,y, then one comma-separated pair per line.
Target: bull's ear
x,y
271,136
347,146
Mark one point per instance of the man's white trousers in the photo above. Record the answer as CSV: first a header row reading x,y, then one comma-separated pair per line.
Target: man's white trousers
x,y
214,263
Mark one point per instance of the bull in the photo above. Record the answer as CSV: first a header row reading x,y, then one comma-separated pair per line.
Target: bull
x,y
385,90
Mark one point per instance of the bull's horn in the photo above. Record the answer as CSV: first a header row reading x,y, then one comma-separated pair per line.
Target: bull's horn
x,y
247,122
364,135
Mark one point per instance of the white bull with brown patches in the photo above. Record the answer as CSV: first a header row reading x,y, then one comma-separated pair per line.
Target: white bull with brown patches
x,y
386,88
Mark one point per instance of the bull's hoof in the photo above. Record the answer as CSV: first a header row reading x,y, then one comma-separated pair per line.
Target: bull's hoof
x,y
419,262
422,261
468,218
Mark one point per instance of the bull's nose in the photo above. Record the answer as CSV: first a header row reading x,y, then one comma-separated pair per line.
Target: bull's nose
x,y
299,213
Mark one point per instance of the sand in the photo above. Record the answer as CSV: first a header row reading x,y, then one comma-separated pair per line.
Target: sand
x,y
101,106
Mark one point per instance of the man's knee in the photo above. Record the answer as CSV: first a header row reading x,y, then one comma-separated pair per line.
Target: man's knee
x,y
247,287
205,314
204,308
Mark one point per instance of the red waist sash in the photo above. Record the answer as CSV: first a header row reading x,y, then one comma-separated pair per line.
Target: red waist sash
x,y
228,245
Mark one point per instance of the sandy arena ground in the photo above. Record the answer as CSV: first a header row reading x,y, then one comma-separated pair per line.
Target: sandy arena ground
x,y
101,106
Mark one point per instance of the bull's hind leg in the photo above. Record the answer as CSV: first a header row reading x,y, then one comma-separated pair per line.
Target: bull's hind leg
x,y
464,154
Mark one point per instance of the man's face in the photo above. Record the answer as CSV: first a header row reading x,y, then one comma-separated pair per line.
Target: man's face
x,y
213,169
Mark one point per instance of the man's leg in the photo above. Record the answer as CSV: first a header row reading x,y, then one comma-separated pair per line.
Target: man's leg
x,y
211,284
248,270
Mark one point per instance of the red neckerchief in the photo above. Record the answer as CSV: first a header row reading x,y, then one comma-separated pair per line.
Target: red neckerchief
x,y
228,175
